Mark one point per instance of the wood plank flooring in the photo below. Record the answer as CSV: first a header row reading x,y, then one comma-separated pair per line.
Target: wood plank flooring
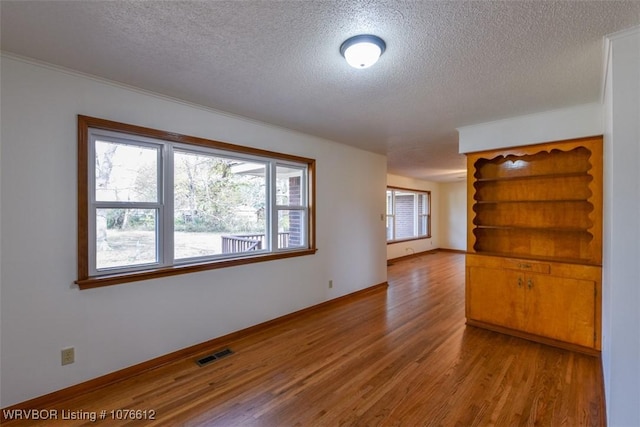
x,y
400,357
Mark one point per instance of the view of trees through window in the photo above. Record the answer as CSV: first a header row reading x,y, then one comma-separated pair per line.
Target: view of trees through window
x,y
215,195
219,204
126,181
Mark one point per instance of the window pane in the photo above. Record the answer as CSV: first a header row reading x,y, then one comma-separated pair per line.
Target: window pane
x,y
422,225
289,186
405,214
422,204
291,229
125,237
219,205
126,172
389,228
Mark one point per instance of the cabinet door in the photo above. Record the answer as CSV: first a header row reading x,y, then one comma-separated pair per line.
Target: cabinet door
x,y
561,308
495,296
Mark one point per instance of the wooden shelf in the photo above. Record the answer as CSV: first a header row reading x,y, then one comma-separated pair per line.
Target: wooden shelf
x,y
547,188
534,241
548,161
486,202
549,215
553,176
526,199
532,229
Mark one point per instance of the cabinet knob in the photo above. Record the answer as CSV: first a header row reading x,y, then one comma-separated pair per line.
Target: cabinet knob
x,y
530,283
519,282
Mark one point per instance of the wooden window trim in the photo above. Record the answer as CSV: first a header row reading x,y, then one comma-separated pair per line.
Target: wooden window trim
x,y
409,239
85,281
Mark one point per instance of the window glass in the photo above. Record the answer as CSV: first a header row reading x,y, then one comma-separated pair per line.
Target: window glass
x,y
219,205
126,237
390,230
422,204
126,172
389,202
423,225
405,214
289,182
291,228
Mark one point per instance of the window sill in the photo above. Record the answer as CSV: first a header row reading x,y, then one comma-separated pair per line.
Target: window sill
x,y
120,278
391,242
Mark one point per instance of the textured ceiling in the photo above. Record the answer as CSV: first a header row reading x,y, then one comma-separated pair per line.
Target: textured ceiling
x,y
447,64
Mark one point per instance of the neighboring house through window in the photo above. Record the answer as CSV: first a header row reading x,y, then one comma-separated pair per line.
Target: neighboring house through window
x,y
408,214
153,203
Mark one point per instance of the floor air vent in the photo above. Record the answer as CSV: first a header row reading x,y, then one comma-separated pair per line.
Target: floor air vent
x,y
213,357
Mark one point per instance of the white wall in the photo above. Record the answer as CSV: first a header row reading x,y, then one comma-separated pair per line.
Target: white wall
x,y
621,275
556,125
400,249
453,215
1,275
118,326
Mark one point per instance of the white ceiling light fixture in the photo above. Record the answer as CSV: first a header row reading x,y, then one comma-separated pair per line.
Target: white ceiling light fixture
x,y
362,51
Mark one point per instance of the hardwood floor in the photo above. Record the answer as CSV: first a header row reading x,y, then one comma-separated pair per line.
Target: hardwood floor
x,y
397,357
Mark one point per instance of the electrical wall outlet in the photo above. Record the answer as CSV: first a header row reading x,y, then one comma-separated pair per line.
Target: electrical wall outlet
x,y
68,355
330,284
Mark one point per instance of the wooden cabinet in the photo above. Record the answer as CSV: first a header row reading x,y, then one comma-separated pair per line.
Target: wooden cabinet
x,y
548,301
491,285
535,242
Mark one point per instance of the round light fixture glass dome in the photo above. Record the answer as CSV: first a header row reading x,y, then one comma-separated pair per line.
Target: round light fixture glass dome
x,y
362,51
